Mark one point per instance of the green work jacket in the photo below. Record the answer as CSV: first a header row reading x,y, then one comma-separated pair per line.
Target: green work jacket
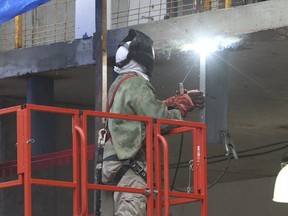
x,y
135,96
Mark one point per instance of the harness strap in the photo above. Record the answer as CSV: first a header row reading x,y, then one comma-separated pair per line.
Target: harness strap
x,y
101,150
127,164
134,166
114,157
108,107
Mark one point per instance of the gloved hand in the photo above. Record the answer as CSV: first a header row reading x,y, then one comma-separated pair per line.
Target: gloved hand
x,y
197,97
183,102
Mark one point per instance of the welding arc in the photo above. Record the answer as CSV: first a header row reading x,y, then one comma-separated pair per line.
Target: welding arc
x,y
188,73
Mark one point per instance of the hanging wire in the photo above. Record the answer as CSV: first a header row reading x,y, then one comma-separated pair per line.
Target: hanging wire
x,y
223,173
226,158
241,154
178,162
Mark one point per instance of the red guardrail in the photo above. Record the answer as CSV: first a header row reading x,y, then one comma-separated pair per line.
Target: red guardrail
x,y
158,195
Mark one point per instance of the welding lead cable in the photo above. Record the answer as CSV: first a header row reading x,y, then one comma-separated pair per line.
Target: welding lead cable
x,y
223,174
183,164
252,154
178,162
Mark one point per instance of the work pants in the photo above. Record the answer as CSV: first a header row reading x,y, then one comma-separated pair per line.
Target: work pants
x,y
121,203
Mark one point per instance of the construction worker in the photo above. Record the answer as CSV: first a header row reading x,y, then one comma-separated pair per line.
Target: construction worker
x,y
132,93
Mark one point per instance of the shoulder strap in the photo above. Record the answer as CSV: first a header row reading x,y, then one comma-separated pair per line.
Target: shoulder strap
x,y
108,107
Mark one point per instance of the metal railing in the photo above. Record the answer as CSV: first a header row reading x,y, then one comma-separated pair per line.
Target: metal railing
x,y
136,12
159,195
55,21
49,23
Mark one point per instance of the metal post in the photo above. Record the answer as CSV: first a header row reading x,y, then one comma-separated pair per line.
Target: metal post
x,y
101,55
100,70
228,3
104,54
207,5
216,96
158,171
76,166
198,6
27,162
18,31
202,83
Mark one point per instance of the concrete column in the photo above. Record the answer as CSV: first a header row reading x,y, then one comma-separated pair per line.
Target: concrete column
x,y
216,97
40,90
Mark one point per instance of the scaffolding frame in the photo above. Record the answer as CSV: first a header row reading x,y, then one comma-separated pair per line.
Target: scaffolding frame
x,y
158,194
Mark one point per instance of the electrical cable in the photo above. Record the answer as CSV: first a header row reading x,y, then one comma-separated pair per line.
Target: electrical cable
x,y
266,146
252,155
223,174
181,144
178,162
247,155
266,152
227,157
253,149
178,165
184,163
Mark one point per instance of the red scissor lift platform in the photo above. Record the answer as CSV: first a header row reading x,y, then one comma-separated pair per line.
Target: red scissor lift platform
x,y
158,192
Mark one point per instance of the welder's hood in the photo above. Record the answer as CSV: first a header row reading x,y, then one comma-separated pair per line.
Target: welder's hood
x,y
140,50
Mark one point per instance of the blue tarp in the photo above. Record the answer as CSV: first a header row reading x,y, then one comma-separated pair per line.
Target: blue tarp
x,y
11,8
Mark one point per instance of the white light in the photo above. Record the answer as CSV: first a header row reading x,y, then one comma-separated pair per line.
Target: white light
x,y
281,186
205,46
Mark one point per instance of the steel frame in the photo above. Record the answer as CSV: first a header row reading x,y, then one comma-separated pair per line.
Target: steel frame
x,y
158,194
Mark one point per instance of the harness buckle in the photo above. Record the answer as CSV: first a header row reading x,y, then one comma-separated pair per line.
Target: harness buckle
x,y
102,136
136,167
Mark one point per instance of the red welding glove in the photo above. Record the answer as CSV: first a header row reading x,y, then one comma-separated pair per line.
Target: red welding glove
x,y
182,102
197,97
169,101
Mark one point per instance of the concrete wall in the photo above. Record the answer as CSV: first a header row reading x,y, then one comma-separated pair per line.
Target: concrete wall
x,y
240,198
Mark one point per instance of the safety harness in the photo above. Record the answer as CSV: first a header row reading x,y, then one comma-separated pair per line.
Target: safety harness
x,y
132,164
103,136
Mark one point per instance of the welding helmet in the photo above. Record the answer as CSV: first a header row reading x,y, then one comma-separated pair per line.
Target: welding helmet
x,y
140,49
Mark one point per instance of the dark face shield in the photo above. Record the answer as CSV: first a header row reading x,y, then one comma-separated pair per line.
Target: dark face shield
x,y
140,50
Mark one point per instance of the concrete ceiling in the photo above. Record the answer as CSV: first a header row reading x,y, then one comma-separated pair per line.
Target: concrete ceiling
x,y
258,105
